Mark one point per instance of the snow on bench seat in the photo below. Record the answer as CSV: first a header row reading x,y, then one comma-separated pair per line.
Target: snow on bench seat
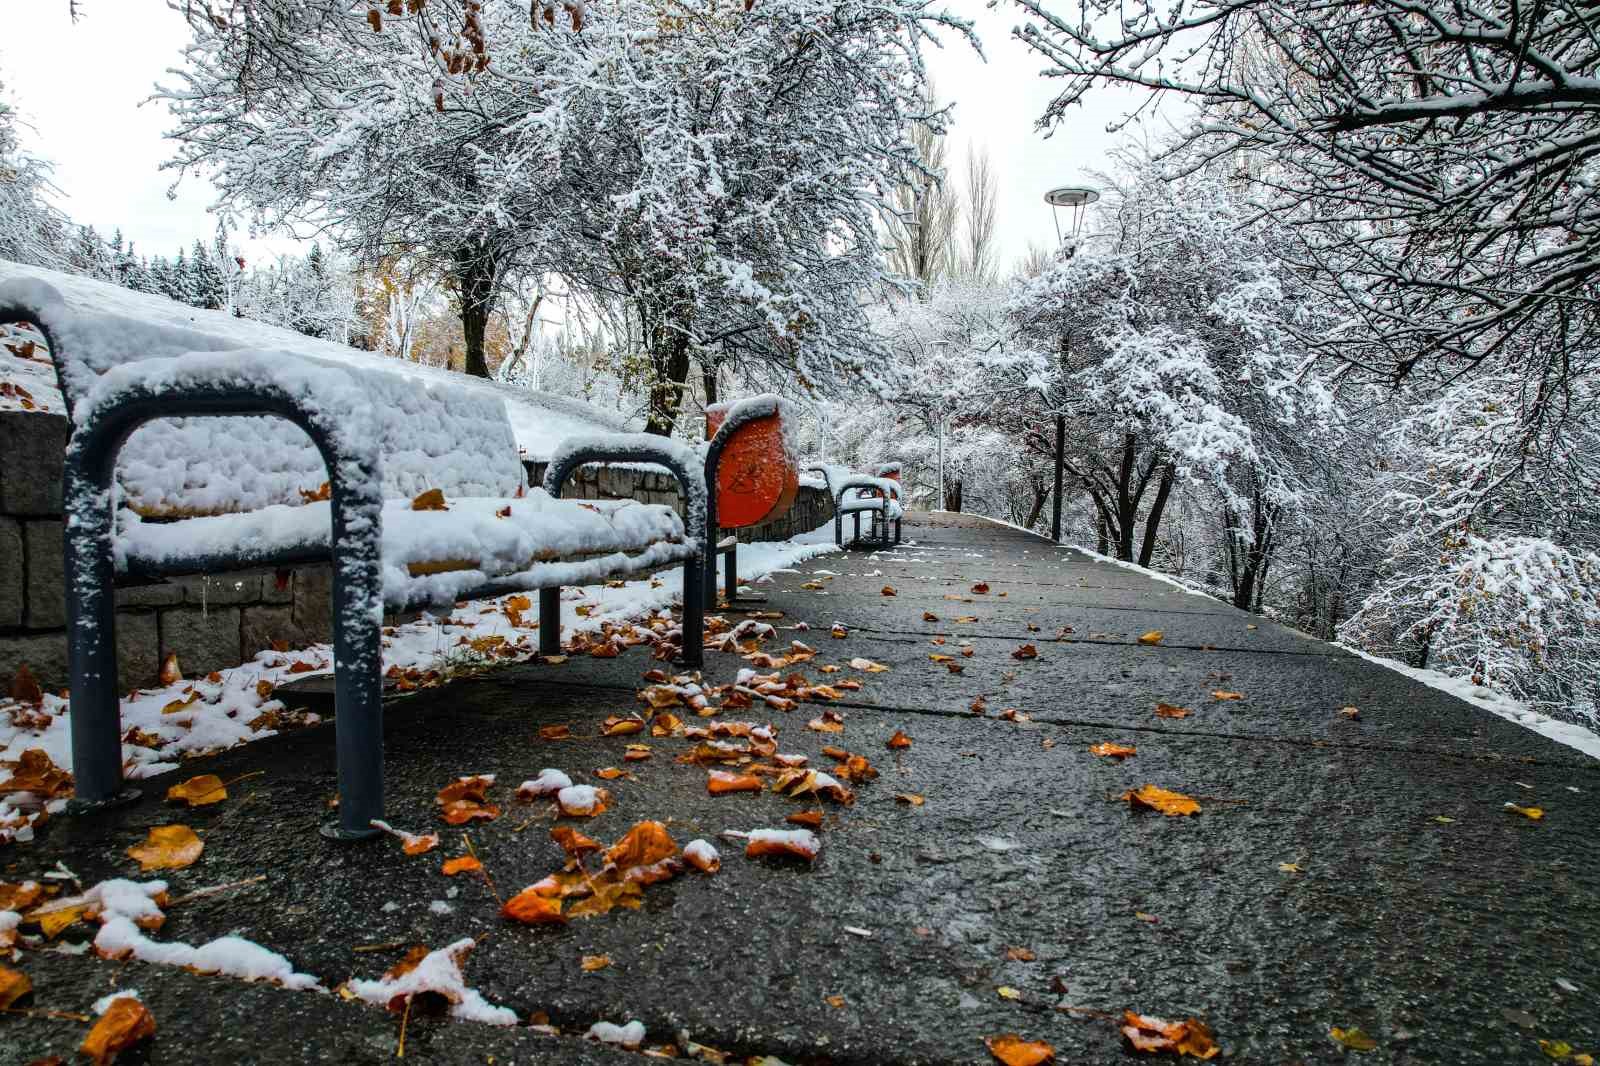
x,y
433,556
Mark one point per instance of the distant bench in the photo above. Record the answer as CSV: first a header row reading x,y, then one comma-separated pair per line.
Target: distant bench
x,y
862,494
421,501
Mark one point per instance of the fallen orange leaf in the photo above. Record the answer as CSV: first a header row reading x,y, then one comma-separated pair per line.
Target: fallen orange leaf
x,y
888,590
1027,651
1154,636
199,791
794,843
170,674
981,587
1012,1050
643,845
809,819
721,782
1171,804
1167,710
461,864
825,725
899,740
1219,695
554,732
168,847
929,616
465,800
573,842
1190,1037
1354,1039
621,725
14,984
910,799
25,688
19,897
1021,954
1115,751
591,963
34,772
583,801
531,908
125,1023
838,632
432,500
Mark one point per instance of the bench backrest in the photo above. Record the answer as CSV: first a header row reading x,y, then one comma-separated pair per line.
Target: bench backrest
x,y
435,435
841,480
758,472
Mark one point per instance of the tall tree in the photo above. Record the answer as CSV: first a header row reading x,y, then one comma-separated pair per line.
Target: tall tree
x,y
922,236
32,229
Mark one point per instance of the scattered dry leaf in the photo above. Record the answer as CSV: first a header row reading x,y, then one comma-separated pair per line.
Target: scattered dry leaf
x,y
1221,695
1167,710
465,800
838,632
432,500
867,666
1190,1037
531,908
199,791
1154,636
621,725
809,819
1351,713
555,732
34,772
793,843
25,688
899,741
721,782
1020,954
168,847
834,1001
1011,1050
929,616
888,590
461,864
981,588
591,963
1027,651
1115,751
910,799
1007,992
125,1023
170,673
14,984
1171,804
1353,1038
1534,813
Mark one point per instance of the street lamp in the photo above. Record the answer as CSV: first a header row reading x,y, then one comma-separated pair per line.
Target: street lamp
x,y
1074,200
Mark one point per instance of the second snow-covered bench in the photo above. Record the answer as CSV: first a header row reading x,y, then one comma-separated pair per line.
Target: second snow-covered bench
x,y
422,501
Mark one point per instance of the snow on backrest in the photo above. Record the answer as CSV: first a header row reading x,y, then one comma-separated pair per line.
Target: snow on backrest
x,y
435,434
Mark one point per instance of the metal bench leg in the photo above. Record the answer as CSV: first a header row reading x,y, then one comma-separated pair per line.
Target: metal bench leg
x,y
838,529
857,517
92,631
550,621
694,613
897,531
730,574
711,585
358,666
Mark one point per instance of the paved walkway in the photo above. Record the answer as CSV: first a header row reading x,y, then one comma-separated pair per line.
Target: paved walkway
x,y
1342,873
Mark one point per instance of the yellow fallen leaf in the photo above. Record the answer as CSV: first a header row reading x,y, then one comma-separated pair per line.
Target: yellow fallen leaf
x,y
432,500
1007,992
1152,637
1289,868
1354,1039
910,799
1171,804
201,791
591,963
868,666
168,847
1115,751
836,1002
14,984
1533,813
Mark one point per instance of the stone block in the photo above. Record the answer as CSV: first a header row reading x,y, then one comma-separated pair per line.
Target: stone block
x,y
160,594
13,576
47,599
274,591
260,626
220,589
32,448
46,654
313,602
205,640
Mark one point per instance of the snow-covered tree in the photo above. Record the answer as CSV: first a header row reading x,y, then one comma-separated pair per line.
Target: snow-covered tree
x,y
32,229
715,174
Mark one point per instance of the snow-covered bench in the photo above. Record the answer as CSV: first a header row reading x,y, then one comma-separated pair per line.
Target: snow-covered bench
x,y
752,475
414,492
858,494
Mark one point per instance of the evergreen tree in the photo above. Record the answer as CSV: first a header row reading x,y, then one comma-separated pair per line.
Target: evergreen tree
x,y
208,287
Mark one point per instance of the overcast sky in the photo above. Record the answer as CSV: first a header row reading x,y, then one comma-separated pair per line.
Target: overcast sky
x,y
83,89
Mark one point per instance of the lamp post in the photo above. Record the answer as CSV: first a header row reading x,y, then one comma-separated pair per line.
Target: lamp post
x,y
1073,200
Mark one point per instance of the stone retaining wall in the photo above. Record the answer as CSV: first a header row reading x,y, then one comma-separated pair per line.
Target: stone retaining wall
x,y
219,620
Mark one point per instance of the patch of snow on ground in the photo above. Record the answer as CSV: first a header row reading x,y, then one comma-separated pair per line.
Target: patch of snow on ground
x,y
1497,703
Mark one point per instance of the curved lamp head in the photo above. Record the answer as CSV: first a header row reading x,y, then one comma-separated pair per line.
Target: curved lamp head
x,y
1074,198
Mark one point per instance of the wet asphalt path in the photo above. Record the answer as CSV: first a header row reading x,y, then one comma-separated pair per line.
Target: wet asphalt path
x,y
1341,873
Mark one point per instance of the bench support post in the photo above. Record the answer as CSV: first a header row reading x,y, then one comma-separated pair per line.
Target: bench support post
x,y
356,506
550,621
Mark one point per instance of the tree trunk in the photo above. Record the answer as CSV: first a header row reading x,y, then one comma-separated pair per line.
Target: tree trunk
x,y
669,358
1127,503
953,499
708,377
478,275
1102,541
1153,519
1041,493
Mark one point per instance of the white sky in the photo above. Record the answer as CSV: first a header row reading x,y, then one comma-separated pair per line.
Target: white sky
x,y
82,88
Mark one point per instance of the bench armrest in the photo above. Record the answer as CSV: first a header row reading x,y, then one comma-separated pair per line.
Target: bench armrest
x,y
679,459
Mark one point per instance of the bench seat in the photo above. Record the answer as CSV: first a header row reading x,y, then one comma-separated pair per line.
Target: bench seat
x,y
430,558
